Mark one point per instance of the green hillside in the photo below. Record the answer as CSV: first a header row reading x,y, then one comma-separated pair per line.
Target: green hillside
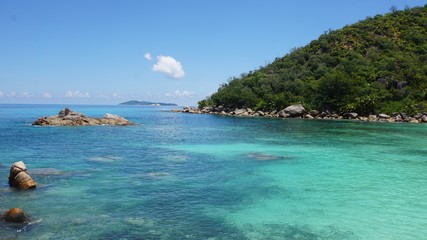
x,y
376,65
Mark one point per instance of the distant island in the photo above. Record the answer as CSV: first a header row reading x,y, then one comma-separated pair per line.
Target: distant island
x,y
146,103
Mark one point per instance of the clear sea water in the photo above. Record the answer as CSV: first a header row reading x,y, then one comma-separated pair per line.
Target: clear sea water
x,y
182,176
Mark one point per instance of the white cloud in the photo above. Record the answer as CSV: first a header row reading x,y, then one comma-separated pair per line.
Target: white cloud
x,y
117,96
169,66
183,94
15,94
11,94
147,56
25,95
46,95
77,94
111,96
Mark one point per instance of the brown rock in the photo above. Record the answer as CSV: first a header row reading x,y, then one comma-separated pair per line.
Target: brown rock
x,y
283,114
15,215
24,181
372,117
19,177
261,113
418,116
390,120
314,113
414,121
383,116
17,167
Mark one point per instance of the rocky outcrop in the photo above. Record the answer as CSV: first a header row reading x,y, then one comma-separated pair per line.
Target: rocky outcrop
x,y
15,215
67,117
20,178
111,119
298,111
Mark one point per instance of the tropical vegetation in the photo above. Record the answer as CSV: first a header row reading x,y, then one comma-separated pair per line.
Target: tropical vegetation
x,y
376,65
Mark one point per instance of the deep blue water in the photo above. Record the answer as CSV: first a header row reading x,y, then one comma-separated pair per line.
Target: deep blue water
x,y
183,176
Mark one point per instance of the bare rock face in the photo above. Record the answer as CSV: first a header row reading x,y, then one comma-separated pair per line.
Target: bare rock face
x,y
111,119
294,110
15,215
68,117
20,178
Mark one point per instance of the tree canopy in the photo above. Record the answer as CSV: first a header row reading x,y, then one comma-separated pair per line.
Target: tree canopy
x,y
376,65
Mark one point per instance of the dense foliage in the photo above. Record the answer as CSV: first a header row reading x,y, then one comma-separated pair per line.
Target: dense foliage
x,y
376,65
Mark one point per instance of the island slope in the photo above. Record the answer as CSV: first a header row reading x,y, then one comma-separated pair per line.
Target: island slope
x,y
373,66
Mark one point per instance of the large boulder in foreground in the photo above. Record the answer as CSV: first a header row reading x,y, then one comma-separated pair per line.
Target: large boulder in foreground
x,y
15,215
67,117
294,110
20,178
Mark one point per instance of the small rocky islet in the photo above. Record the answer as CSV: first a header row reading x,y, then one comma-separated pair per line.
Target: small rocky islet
x,y
298,111
68,117
20,178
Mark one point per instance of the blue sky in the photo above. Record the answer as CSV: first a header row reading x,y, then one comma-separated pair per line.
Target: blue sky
x,y
107,52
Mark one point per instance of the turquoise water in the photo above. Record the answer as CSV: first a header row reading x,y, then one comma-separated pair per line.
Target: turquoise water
x,y
182,176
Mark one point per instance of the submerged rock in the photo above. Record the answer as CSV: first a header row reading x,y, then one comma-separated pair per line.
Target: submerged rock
x,y
105,159
45,172
19,177
264,157
67,117
79,221
140,221
15,215
177,158
157,174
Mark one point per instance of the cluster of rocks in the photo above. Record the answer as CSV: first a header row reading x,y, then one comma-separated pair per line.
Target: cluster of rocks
x,y
298,111
18,178
67,117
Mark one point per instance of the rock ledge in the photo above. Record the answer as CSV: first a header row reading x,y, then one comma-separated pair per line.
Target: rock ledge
x,y
298,111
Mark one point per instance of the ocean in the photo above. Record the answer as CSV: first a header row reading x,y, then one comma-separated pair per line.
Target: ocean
x,y
184,176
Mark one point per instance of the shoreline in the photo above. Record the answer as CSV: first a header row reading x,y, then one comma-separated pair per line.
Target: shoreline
x,y
313,114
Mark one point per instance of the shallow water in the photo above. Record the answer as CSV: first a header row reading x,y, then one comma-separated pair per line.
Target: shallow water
x,y
182,176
